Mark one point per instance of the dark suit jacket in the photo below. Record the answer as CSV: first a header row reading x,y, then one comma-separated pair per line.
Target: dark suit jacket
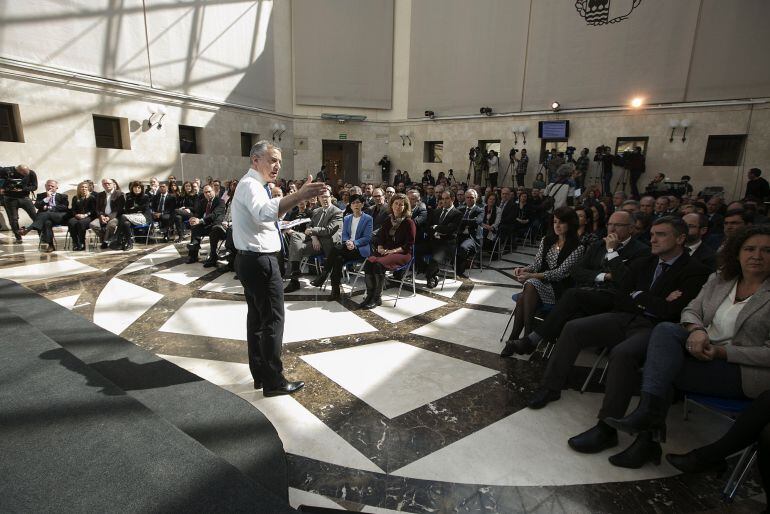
x,y
61,203
446,231
706,255
168,207
420,218
592,263
431,202
135,204
469,221
217,213
685,275
85,205
508,214
379,214
117,202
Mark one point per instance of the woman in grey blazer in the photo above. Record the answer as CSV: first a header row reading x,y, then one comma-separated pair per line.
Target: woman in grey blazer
x,y
720,348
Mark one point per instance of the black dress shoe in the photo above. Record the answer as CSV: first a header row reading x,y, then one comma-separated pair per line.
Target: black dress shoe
x,y
524,346
462,275
318,281
287,388
431,283
641,451
594,440
104,245
293,285
336,295
179,240
257,384
210,263
509,349
543,397
692,463
192,259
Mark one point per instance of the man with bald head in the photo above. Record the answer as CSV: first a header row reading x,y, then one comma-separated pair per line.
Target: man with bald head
x,y
597,275
17,184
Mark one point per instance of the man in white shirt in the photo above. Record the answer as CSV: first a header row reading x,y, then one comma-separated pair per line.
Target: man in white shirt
x,y
257,240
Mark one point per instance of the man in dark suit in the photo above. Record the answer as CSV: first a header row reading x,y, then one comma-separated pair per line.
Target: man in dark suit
x,y
468,236
655,289
20,181
163,206
378,210
597,276
430,199
208,213
52,209
420,218
109,207
508,213
443,224
324,232
697,227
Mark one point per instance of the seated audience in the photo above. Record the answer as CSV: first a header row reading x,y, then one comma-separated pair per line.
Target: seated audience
x,y
355,245
655,289
185,205
597,276
697,226
109,207
209,213
82,211
136,211
319,238
546,279
52,209
468,234
490,222
393,249
378,210
719,348
585,226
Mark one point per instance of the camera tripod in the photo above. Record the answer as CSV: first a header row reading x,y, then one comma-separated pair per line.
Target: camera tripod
x,y
620,185
505,175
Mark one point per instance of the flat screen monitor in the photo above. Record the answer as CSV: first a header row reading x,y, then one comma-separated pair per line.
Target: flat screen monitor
x,y
553,129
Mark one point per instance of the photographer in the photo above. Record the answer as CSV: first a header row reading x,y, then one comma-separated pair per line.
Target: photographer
x,y
553,163
19,182
493,165
521,165
479,162
604,156
384,165
635,163
581,168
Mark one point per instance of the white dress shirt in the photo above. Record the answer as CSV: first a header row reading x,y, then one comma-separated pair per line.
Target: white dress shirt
x,y
255,215
354,226
108,204
722,327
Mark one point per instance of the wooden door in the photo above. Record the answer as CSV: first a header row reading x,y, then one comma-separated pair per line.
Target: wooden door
x,y
333,159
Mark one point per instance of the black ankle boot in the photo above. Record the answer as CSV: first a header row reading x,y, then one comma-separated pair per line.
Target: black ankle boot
x,y
649,416
320,280
693,462
371,284
641,451
379,283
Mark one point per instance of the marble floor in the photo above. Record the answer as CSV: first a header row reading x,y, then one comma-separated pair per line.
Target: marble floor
x,y
407,407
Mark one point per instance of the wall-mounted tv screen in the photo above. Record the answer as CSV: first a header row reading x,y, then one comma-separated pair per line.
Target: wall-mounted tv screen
x,y
553,129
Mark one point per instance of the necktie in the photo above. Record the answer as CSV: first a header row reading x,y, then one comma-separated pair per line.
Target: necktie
x,y
162,202
659,270
51,201
443,213
208,208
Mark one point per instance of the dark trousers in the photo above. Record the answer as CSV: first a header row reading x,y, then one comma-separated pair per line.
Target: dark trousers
x,y
441,251
180,217
78,228
669,363
216,234
753,425
576,302
12,206
165,221
44,222
625,334
520,179
263,288
492,179
198,232
607,182
635,175
337,258
465,250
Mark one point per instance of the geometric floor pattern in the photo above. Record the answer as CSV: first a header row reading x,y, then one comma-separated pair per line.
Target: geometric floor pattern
x,y
406,408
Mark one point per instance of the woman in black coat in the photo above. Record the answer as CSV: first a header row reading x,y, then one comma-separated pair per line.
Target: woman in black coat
x,y
82,211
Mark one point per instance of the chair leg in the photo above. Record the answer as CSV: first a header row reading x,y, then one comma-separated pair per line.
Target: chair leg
x,y
593,370
506,327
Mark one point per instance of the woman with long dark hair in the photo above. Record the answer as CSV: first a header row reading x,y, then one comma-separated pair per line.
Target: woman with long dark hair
x,y
393,249
185,205
585,225
136,211
82,210
549,276
490,222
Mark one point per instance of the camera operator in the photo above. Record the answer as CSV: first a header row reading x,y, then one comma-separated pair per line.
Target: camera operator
x,y
20,181
635,163
581,168
384,165
604,156
553,163
479,161
521,165
493,165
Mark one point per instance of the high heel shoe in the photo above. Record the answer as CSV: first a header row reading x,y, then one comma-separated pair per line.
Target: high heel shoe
x,y
691,463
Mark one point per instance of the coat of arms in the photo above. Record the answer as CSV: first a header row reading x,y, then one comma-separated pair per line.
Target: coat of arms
x,y
602,12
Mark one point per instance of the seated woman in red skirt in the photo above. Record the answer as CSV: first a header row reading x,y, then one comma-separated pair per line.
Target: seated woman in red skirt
x,y
393,249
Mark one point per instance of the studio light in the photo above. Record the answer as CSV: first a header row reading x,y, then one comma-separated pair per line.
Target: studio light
x,y
555,106
637,102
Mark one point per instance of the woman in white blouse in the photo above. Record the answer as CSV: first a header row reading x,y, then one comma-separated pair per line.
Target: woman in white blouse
x,y
722,345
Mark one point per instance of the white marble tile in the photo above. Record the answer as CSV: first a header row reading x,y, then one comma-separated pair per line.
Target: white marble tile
x,y
300,431
490,276
406,307
165,254
68,302
121,303
536,453
468,327
299,497
374,371
305,289
492,296
184,273
45,270
304,320
224,283
451,287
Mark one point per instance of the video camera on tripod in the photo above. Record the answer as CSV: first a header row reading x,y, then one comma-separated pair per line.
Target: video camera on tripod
x,y
512,154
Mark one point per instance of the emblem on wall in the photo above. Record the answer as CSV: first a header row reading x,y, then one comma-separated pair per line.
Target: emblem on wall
x,y
602,12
